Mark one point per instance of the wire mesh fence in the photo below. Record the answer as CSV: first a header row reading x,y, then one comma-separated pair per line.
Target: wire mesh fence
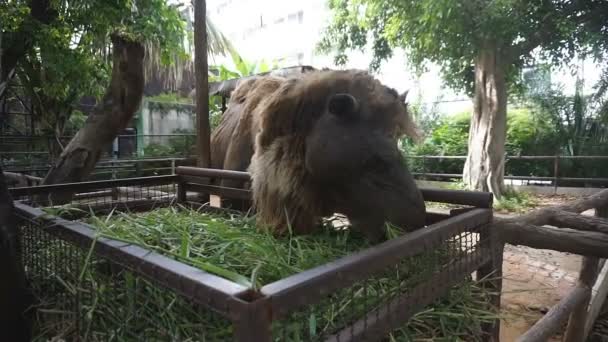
x,y
95,288
83,296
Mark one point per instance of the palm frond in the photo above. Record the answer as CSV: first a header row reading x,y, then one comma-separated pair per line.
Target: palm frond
x,y
179,72
217,43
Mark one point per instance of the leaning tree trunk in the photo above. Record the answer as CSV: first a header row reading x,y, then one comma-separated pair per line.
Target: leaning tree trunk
x,y
108,119
484,167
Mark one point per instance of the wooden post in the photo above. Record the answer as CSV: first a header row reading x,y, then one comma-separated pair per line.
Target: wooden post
x,y
551,323
138,172
254,323
555,172
423,166
493,272
223,104
576,323
578,319
181,190
202,84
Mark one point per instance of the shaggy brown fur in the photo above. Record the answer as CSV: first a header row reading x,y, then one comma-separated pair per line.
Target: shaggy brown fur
x,y
264,131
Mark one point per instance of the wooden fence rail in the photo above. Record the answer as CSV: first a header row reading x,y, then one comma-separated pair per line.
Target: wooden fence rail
x,y
581,306
555,178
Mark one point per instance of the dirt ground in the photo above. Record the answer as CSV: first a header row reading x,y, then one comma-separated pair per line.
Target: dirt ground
x,y
534,280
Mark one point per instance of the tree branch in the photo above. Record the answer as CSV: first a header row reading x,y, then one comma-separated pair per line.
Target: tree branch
x,y
121,101
563,240
546,28
585,235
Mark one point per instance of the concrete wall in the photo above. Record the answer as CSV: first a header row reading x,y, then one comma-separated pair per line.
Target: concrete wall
x,y
163,119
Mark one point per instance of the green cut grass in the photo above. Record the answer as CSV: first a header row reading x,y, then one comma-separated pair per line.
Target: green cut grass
x,y
126,307
229,246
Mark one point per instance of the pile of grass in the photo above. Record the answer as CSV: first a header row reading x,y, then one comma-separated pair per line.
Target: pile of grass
x,y
126,307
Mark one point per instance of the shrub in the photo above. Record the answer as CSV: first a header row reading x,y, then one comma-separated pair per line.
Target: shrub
x,y
527,134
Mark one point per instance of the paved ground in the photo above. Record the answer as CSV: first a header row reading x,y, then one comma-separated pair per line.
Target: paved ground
x,y
534,281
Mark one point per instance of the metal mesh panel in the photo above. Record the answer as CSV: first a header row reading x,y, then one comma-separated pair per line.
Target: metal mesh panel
x,y
99,297
103,198
385,301
83,296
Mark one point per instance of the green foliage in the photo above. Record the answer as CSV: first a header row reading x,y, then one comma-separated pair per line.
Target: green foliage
x,y
170,98
240,68
76,122
516,201
12,14
180,145
170,101
158,150
453,33
215,111
448,138
579,123
69,54
527,134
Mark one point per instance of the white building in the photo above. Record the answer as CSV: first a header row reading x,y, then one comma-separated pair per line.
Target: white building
x,y
287,31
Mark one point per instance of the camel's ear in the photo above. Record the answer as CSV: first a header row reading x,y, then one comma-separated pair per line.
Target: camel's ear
x,y
403,96
342,105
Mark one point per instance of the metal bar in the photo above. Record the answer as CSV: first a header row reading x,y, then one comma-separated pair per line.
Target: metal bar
x,y
551,323
314,284
203,288
24,152
474,198
205,172
575,179
93,185
132,206
376,324
435,157
510,157
219,191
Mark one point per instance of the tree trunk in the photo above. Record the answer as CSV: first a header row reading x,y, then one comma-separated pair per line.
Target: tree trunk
x,y
484,167
15,298
202,84
108,119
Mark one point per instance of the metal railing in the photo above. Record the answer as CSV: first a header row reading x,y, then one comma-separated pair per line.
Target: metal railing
x,y
33,175
137,166
554,179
